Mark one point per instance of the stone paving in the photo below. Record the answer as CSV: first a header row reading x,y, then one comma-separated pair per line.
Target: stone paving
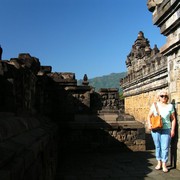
x,y
112,165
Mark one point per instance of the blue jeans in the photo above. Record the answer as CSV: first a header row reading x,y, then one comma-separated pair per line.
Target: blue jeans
x,y
162,141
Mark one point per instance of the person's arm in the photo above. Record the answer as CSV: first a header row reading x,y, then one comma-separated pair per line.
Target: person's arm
x,y
148,119
173,124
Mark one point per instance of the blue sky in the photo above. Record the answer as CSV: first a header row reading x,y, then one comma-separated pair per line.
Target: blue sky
x,y
90,37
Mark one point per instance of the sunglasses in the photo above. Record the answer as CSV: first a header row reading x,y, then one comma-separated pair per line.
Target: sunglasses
x,y
163,96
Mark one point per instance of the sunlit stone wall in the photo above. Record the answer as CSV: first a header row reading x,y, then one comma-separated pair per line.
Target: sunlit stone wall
x,y
166,15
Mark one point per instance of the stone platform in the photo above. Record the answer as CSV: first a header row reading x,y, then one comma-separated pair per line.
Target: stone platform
x,y
112,165
92,131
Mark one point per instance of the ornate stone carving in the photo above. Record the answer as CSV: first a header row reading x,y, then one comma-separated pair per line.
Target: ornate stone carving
x,y
140,51
110,98
151,4
142,62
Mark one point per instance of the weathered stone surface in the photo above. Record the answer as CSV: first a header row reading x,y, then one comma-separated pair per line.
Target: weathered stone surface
x,y
125,117
109,99
147,74
147,70
24,146
166,17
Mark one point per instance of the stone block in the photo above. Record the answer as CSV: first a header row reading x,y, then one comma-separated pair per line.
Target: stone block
x,y
5,174
17,168
28,157
16,148
140,142
10,127
33,123
25,139
33,172
109,117
6,155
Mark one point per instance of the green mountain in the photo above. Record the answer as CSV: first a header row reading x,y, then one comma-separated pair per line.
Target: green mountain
x,y
107,81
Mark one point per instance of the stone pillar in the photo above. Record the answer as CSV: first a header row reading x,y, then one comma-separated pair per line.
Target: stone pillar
x,y
166,16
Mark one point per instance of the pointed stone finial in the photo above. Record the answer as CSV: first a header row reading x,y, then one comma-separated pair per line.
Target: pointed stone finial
x,y
1,51
85,80
141,34
156,50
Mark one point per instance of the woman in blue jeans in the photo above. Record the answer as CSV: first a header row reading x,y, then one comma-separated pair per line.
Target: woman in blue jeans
x,y
162,137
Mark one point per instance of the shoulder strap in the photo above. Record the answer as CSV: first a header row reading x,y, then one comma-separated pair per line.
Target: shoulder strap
x,y
155,104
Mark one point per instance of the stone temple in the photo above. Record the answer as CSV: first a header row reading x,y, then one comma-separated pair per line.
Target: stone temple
x,y
44,114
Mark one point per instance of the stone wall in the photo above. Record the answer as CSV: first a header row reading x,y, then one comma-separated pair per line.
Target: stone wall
x,y
93,133
150,72
138,105
147,74
44,114
28,139
166,15
28,148
97,124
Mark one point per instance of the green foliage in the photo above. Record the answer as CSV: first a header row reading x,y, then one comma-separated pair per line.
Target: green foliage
x,y
107,81
121,97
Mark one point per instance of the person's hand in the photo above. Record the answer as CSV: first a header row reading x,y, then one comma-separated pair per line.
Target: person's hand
x,y
172,133
149,126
